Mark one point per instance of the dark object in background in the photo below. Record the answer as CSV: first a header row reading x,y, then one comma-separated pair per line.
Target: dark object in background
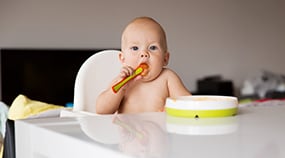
x,y
275,95
46,75
215,85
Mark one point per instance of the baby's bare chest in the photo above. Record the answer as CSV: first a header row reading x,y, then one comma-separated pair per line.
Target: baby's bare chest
x,y
146,98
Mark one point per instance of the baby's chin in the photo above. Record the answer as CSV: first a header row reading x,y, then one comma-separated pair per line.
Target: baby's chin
x,y
148,77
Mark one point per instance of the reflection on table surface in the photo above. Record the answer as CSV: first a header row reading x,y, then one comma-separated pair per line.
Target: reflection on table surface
x,y
254,132
136,135
201,126
146,135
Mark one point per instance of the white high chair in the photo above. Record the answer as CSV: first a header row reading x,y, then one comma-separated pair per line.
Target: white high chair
x,y
93,77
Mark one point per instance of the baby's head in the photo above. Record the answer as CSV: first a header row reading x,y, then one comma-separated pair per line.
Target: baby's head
x,y
140,25
144,41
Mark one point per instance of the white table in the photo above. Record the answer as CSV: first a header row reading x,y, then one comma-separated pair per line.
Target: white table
x,y
256,132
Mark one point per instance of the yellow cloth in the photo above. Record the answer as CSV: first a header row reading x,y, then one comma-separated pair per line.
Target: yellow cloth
x,y
23,107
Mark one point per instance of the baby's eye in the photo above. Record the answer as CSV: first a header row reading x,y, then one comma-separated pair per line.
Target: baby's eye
x,y
135,48
153,47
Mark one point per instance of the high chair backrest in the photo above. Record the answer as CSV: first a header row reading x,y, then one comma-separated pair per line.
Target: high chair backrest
x,y
93,77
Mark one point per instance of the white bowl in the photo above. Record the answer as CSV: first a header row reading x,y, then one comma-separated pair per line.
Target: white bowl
x,y
202,106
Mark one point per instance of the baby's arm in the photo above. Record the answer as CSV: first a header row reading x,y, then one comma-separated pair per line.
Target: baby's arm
x,y
175,85
109,102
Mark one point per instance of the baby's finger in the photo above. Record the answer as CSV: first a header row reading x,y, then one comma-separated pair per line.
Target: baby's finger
x,y
123,73
126,71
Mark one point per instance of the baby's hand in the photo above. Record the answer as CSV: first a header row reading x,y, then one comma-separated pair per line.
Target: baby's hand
x,y
126,75
126,71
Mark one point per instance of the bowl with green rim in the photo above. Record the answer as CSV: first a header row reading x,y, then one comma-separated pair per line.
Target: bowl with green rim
x,y
202,106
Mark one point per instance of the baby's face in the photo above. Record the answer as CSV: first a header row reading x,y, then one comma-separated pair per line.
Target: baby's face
x,y
144,42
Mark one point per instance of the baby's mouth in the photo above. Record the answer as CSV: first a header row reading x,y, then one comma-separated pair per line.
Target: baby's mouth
x,y
145,68
144,73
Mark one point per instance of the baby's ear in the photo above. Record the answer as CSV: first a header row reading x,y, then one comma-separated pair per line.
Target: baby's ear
x,y
121,57
166,58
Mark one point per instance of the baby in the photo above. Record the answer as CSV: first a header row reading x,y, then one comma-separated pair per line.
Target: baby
x,y
143,41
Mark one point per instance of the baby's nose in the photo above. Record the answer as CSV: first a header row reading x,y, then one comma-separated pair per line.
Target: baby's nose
x,y
144,54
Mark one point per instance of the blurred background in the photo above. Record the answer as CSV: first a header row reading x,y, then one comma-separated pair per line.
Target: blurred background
x,y
232,39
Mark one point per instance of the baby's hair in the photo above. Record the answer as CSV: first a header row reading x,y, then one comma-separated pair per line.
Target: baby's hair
x,y
154,21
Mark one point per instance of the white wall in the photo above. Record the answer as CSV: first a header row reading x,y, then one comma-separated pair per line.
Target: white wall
x,y
235,38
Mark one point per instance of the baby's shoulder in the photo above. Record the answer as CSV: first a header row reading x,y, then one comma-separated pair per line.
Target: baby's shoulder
x,y
168,71
168,74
